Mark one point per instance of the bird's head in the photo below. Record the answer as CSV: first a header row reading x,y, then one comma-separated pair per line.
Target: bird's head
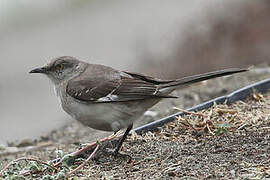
x,y
61,69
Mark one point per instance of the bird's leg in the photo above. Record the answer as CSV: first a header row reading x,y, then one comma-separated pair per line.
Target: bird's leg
x,y
120,142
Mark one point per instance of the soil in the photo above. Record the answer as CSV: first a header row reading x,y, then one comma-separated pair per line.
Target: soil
x,y
223,142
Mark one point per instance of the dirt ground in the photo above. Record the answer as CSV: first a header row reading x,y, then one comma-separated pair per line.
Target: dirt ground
x,y
223,142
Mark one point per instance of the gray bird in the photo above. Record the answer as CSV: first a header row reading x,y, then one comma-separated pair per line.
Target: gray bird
x,y
107,99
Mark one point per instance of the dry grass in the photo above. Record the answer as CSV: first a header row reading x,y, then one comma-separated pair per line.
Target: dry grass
x,y
224,141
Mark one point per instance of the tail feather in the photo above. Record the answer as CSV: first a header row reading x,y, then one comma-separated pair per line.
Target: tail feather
x,y
202,77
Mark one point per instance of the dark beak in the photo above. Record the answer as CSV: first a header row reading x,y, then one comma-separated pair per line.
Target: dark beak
x,y
42,70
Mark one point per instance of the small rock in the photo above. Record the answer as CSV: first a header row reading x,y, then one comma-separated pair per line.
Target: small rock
x,y
2,147
151,113
25,143
171,174
11,149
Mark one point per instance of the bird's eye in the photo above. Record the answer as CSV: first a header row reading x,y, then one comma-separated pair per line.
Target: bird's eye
x,y
59,67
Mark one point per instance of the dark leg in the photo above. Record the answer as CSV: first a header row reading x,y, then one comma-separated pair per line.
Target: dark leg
x,y
122,139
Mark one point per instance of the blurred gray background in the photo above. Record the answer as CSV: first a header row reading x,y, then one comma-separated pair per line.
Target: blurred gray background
x,y
166,39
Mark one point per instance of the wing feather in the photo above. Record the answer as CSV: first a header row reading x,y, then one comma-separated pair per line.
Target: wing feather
x,y
123,88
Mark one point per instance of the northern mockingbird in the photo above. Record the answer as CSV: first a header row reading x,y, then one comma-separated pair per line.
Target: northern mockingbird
x,y
107,99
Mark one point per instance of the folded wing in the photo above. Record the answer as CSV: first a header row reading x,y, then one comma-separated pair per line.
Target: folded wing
x,y
124,87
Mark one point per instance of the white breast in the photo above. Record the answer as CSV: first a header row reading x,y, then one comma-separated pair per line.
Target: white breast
x,y
57,94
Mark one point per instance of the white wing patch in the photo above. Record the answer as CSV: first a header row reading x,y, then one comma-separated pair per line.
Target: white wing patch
x,y
109,97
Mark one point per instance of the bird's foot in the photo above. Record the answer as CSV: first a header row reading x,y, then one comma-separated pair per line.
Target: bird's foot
x,y
123,156
116,154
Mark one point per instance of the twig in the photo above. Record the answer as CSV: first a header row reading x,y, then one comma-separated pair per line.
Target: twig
x,y
180,118
76,153
222,111
88,159
210,131
95,143
26,159
188,125
189,112
243,125
264,128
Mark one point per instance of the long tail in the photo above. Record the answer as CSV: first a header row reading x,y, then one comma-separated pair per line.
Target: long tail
x,y
202,77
